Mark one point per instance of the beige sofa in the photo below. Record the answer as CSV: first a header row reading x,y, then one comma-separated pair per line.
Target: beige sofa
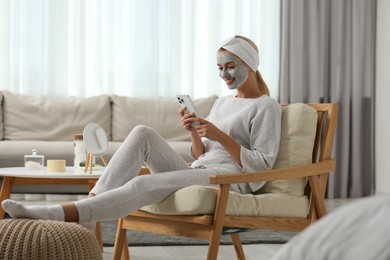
x,y
49,123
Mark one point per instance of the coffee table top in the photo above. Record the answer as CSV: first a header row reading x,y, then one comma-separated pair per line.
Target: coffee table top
x,y
70,173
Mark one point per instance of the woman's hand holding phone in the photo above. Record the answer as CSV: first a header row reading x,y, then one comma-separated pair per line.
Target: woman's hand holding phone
x,y
194,124
187,112
187,120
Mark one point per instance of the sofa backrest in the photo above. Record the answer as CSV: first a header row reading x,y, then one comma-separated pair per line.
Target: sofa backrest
x,y
52,118
158,113
299,124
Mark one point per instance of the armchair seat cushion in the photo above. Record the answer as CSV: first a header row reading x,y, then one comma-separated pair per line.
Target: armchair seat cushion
x,y
196,199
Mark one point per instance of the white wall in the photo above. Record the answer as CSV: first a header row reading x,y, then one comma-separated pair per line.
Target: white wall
x,y
382,125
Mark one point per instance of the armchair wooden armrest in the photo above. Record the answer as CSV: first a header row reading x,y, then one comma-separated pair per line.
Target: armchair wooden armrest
x,y
313,169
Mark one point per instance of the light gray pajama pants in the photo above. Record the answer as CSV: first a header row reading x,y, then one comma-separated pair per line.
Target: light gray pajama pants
x,y
120,191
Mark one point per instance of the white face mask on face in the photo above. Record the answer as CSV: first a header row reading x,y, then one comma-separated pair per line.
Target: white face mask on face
x,y
231,70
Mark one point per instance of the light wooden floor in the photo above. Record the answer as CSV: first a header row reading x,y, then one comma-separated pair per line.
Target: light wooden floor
x,y
252,252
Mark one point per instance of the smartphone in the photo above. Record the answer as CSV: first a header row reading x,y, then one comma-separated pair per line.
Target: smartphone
x,y
186,101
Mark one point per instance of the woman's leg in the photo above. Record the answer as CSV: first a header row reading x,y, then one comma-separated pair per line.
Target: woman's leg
x,y
138,192
142,145
141,191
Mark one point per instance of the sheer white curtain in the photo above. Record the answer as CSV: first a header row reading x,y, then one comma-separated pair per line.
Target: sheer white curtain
x,y
136,48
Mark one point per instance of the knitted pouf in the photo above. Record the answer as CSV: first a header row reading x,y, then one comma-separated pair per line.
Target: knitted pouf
x,y
45,239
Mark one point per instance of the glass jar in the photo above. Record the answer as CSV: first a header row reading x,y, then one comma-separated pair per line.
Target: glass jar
x,y
80,153
34,161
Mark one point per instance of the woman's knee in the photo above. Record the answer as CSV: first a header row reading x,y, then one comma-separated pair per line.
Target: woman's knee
x,y
143,130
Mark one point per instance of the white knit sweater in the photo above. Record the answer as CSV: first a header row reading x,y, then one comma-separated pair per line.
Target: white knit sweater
x,y
255,124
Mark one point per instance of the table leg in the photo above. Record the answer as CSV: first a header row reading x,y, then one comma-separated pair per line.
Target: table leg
x,y
5,192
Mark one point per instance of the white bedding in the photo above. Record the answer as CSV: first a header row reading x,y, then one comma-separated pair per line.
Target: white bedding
x,y
357,231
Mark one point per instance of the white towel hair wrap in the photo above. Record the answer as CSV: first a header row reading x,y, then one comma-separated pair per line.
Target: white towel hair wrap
x,y
244,50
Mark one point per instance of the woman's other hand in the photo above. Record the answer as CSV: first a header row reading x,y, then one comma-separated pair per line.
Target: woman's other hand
x,y
210,131
206,129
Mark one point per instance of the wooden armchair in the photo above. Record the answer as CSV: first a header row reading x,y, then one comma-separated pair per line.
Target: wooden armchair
x,y
210,226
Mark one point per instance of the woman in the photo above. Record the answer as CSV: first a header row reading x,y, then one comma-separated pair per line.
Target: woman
x,y
242,134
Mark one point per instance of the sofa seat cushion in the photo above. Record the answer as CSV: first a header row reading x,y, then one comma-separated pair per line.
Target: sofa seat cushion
x,y
12,151
159,113
52,118
197,199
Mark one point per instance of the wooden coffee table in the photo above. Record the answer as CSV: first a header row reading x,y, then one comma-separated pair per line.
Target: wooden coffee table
x,y
72,176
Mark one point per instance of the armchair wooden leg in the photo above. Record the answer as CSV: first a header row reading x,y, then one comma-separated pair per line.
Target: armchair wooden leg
x,y
214,246
215,237
125,250
317,196
119,241
238,246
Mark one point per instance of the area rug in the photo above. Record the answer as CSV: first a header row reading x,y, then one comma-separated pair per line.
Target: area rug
x,y
136,238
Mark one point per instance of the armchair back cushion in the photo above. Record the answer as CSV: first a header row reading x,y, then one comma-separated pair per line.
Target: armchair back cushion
x,y
57,118
299,123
